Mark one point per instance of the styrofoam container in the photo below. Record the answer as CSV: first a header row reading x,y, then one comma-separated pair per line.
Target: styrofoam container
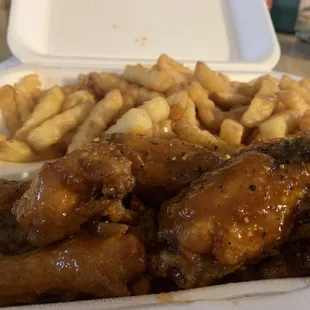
x,y
59,39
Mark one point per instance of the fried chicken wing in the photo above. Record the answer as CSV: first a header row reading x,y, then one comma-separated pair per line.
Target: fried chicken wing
x,y
68,192
239,212
85,265
163,167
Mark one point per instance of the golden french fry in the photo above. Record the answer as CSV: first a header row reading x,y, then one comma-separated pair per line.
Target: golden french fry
x,y
9,110
52,130
29,84
49,105
27,91
151,79
17,151
78,97
178,104
165,62
211,118
259,110
141,94
231,132
199,95
98,120
280,107
287,83
190,133
3,137
163,129
293,100
229,99
133,121
157,109
103,83
209,79
174,89
305,83
190,112
266,85
224,78
279,125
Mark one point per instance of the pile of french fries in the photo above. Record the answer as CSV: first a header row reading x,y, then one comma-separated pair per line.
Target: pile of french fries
x,y
169,99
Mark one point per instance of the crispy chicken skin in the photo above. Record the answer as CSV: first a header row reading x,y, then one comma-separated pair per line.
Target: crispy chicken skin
x,y
163,167
68,192
237,213
87,265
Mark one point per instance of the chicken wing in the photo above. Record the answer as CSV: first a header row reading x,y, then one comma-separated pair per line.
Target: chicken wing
x,y
163,167
239,212
68,192
84,265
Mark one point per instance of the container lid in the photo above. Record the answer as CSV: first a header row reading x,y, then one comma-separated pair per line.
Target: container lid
x,y
229,35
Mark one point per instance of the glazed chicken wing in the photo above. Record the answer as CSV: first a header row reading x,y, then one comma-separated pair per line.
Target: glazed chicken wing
x,y
68,192
163,167
84,265
237,213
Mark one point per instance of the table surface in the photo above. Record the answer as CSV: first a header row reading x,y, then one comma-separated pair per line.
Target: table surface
x,y
295,56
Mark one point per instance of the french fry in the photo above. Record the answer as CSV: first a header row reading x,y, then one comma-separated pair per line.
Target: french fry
x,y
279,125
49,105
17,151
165,62
157,109
231,132
97,120
266,85
259,110
211,118
293,100
199,95
174,89
64,142
190,112
27,91
151,79
141,94
305,83
9,110
190,133
133,121
209,79
52,130
287,83
178,104
3,137
229,99
76,98
103,83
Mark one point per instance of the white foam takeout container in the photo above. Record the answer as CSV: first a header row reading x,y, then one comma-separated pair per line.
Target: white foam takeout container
x,y
60,38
